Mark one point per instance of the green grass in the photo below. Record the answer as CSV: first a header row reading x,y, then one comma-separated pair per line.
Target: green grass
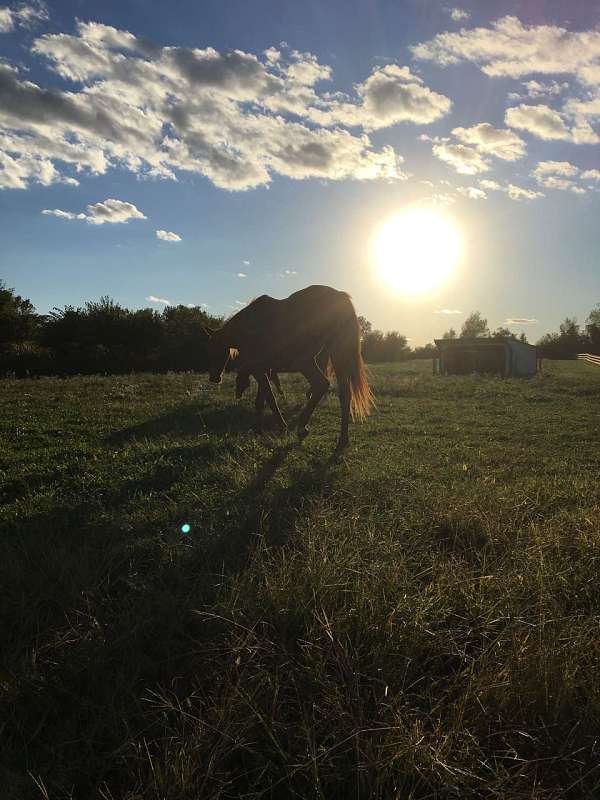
x,y
418,620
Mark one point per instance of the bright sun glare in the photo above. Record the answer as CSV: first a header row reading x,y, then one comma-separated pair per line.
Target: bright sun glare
x,y
416,250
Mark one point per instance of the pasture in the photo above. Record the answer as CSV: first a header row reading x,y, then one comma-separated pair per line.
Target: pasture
x,y
419,619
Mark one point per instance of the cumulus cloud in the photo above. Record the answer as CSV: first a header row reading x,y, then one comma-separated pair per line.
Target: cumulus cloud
x,y
520,193
540,120
536,89
558,175
472,192
458,14
235,118
390,95
242,275
448,311
167,236
160,300
591,175
508,48
24,15
503,144
465,160
110,211
246,263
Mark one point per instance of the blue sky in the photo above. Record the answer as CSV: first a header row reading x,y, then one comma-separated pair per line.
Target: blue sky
x,y
272,138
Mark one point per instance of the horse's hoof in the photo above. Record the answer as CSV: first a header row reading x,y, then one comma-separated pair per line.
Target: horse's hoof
x,y
302,433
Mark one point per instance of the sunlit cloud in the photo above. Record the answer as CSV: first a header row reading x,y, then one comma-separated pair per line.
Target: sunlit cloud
x,y
509,48
458,14
159,300
24,16
167,236
471,192
464,159
503,144
110,211
448,311
234,117
520,321
242,275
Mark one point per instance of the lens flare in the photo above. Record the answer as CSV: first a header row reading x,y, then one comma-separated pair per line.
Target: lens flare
x,y
186,527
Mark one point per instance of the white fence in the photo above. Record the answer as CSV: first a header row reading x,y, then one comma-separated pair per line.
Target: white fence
x,y
588,357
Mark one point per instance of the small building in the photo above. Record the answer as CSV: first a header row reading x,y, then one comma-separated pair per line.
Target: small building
x,y
487,355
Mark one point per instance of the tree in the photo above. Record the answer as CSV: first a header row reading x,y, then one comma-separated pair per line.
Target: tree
x,y
474,325
451,334
18,320
523,337
365,327
503,333
593,329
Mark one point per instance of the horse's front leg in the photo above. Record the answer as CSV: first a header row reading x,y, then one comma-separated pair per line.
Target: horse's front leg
x,y
266,393
319,385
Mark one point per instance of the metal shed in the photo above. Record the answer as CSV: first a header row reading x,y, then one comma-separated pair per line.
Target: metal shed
x,y
495,355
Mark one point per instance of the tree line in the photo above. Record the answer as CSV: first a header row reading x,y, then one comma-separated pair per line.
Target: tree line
x,y
105,337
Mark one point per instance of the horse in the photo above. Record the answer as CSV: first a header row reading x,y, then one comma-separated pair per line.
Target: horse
x,y
288,336
242,381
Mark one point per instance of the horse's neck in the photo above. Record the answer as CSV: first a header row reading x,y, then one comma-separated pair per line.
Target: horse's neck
x,y
229,333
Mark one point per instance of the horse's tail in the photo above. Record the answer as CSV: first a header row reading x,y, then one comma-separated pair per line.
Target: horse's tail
x,y
348,364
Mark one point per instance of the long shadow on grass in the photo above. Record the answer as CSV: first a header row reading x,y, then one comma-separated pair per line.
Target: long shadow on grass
x,y
193,419
96,615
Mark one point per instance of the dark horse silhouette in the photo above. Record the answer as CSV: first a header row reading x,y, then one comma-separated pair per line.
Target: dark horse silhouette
x,y
293,335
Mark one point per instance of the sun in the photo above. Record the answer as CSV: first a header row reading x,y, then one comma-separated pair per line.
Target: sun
x,y
416,250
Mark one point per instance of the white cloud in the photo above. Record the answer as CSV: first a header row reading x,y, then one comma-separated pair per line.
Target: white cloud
x,y
22,16
231,117
110,211
448,311
465,160
472,192
390,95
520,321
540,120
6,20
558,175
508,48
591,175
168,236
458,14
287,273
246,263
492,141
556,168
160,300
492,186
242,275
519,193
536,89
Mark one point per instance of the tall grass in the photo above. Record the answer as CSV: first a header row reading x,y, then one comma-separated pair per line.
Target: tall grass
x,y
419,620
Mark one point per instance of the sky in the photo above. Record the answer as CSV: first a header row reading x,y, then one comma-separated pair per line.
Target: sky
x,y
208,152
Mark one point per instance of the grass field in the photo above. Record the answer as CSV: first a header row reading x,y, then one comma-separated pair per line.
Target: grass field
x,y
418,620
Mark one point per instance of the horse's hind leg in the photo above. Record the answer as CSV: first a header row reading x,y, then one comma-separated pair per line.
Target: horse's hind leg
x,y
318,387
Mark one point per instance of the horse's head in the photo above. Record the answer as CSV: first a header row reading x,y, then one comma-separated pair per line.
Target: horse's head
x,y
218,355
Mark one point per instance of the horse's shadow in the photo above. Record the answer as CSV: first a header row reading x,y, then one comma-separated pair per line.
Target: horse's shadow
x,y
194,419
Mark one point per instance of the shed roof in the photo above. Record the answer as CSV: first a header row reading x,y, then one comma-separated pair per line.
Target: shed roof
x,y
483,341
